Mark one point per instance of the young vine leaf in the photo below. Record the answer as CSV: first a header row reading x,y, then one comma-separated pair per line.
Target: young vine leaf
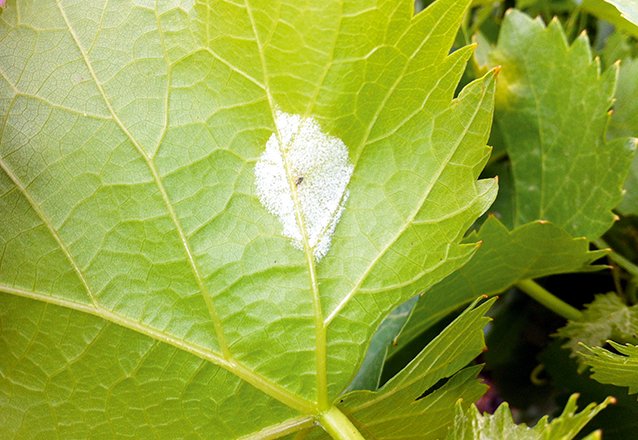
x,y
471,424
552,112
619,368
607,317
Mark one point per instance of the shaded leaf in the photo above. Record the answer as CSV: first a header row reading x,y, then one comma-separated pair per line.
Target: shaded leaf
x,y
505,257
608,317
369,376
471,424
619,369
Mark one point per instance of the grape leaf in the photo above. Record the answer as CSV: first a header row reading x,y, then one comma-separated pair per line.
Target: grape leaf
x,y
144,223
369,375
471,424
551,110
624,122
627,8
418,402
607,317
505,257
619,369
620,13
561,172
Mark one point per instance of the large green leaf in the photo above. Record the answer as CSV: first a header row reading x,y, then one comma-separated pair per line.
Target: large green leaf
x,y
147,238
551,110
619,369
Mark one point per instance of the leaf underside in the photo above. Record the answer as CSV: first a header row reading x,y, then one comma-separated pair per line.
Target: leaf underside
x,y
144,287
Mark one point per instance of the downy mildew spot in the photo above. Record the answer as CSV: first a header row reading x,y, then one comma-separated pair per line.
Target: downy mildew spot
x,y
303,165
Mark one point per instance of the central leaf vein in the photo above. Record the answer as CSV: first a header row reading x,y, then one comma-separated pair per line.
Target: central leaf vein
x,y
320,331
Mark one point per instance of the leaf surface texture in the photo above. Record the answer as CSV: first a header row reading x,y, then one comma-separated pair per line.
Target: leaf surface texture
x,y
133,235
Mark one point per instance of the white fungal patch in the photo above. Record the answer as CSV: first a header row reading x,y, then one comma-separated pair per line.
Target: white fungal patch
x,y
304,172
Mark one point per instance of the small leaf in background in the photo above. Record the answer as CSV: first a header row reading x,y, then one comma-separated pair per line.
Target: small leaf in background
x,y
551,111
620,369
471,424
505,257
624,122
608,317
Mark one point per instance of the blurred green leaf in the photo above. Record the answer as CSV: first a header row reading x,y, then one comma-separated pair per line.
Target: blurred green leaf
x,y
471,425
608,317
620,13
619,369
628,9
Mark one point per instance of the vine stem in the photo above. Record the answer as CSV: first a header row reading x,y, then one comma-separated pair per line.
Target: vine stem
x,y
621,261
338,425
549,300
